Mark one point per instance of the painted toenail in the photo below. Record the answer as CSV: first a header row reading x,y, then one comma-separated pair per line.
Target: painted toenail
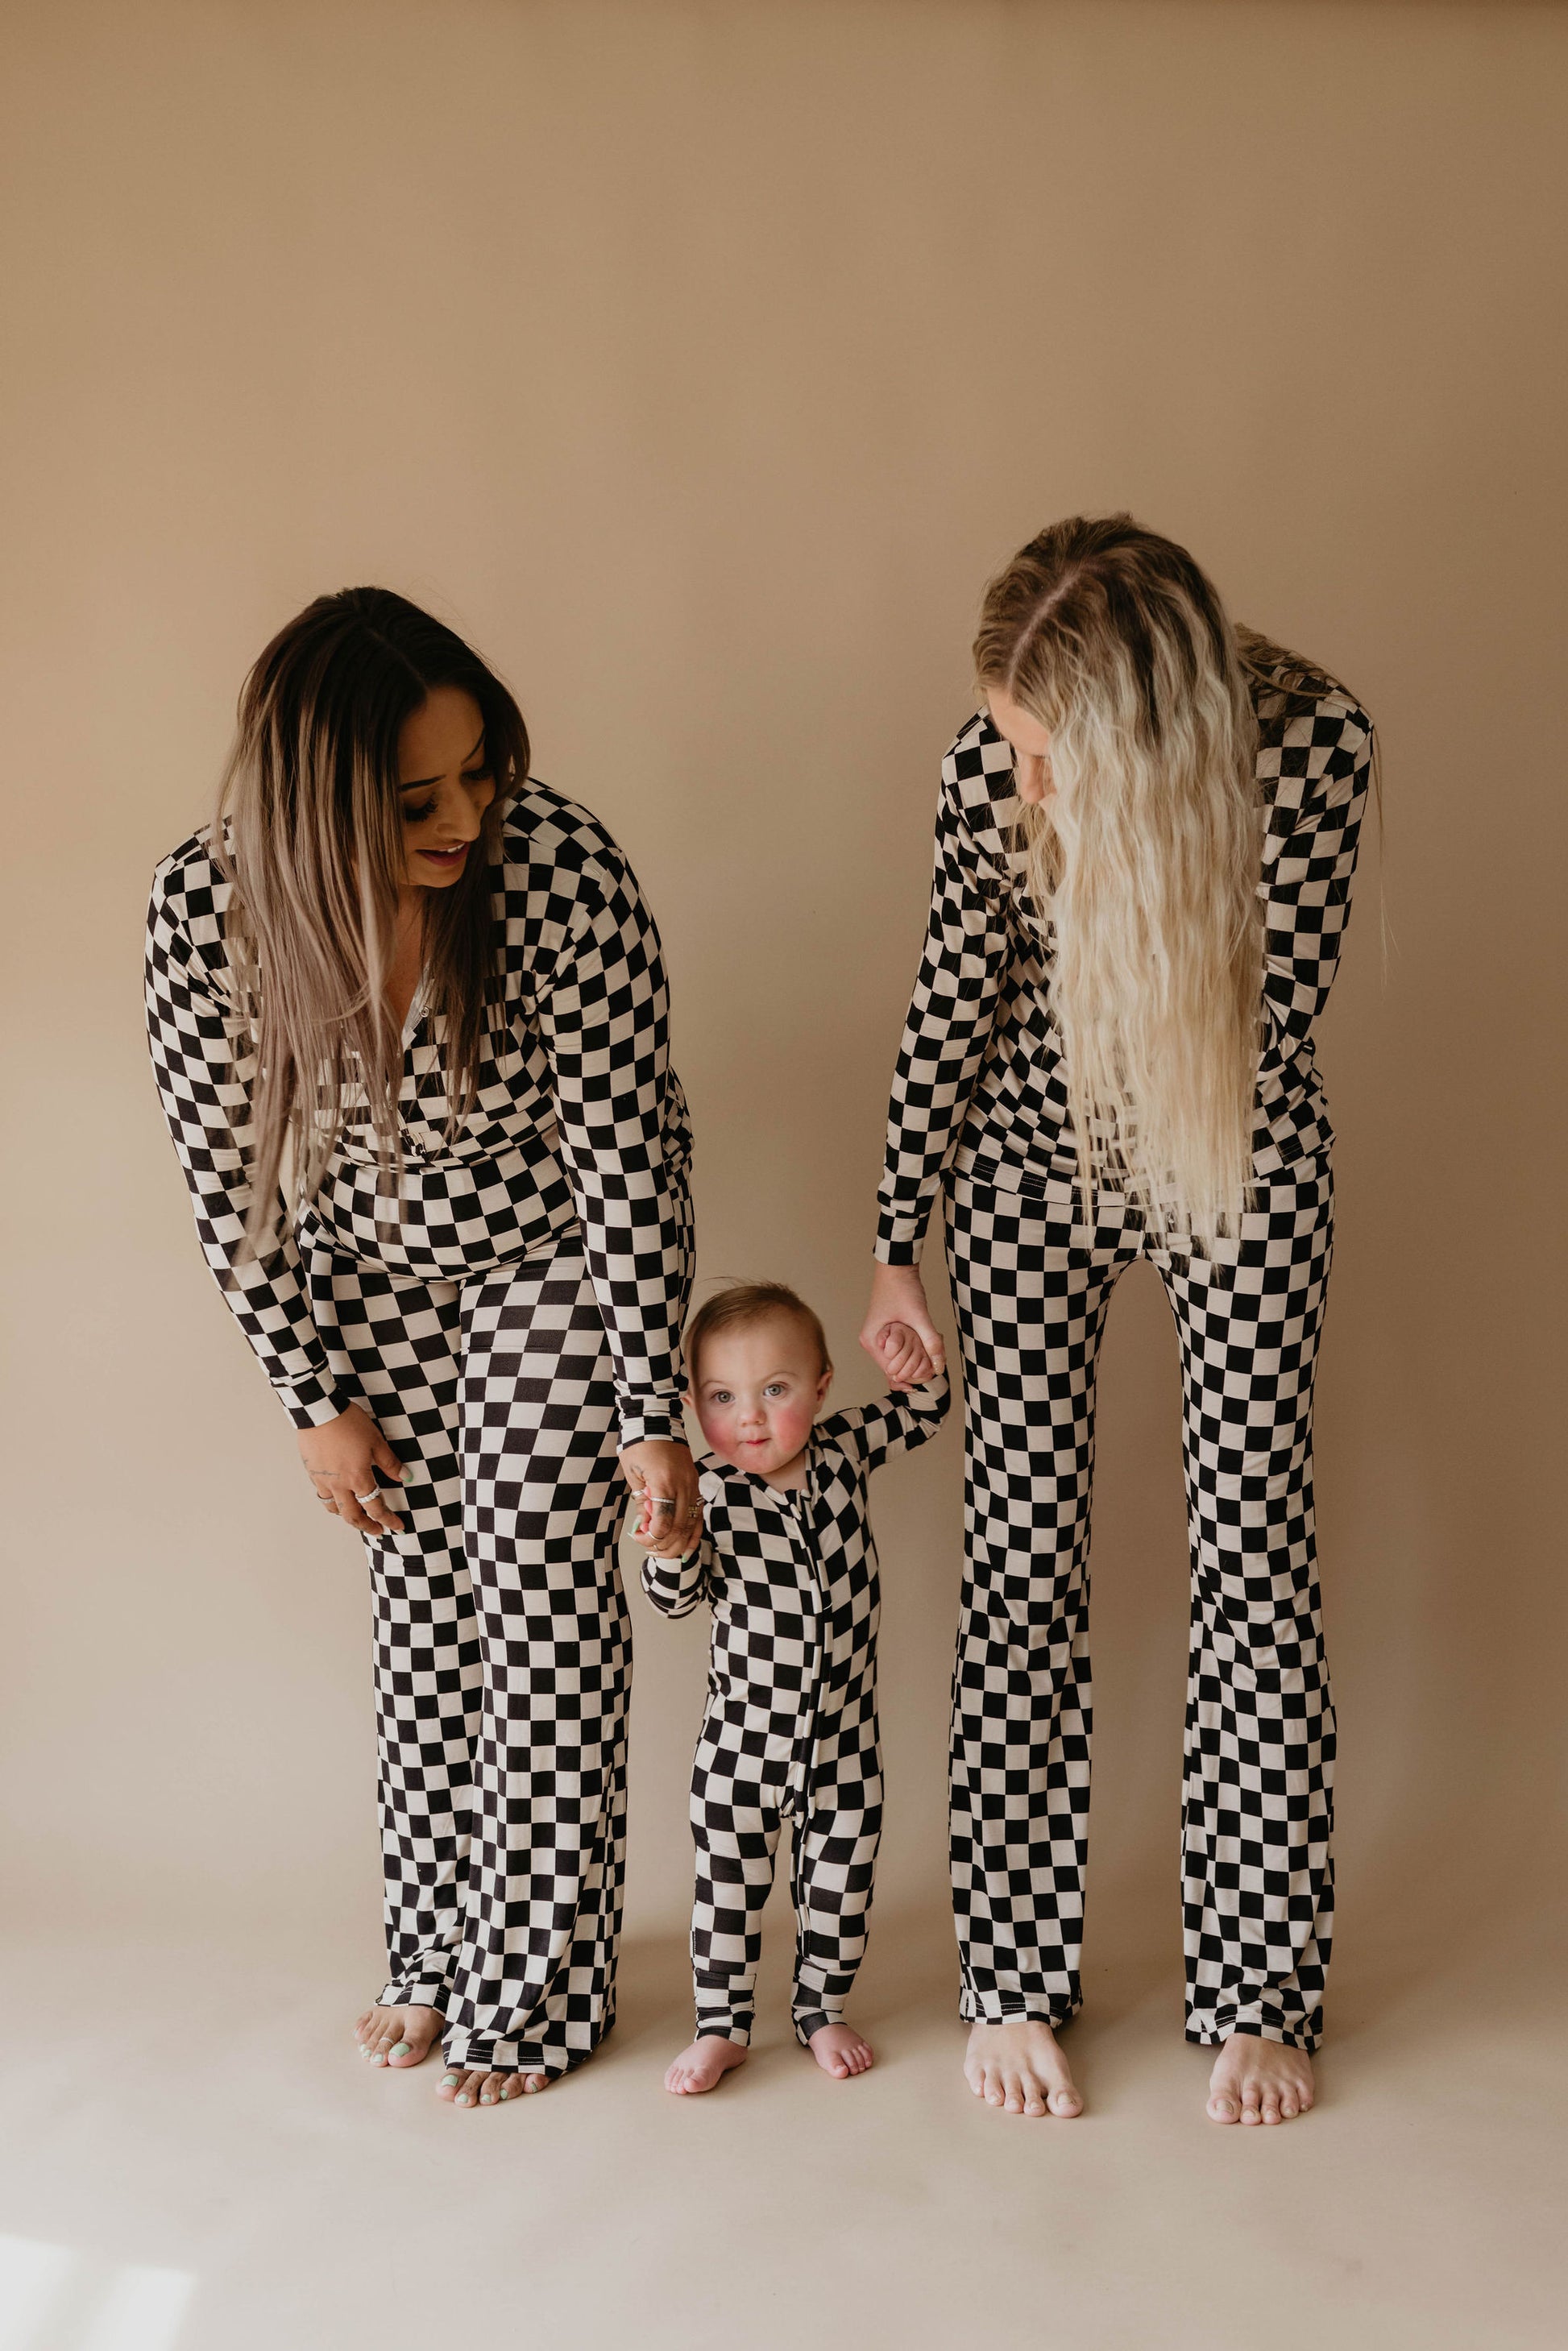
x,y
403,2049
462,2099
449,2081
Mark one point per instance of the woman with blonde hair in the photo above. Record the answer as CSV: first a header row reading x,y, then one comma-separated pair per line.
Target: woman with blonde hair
x,y
1144,848
410,1028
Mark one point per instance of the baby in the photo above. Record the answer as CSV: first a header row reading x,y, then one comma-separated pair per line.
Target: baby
x,y
787,1561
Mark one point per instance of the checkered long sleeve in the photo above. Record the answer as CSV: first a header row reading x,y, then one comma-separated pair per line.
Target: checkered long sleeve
x,y
1315,780
967,943
900,1422
676,1586
603,1009
203,1060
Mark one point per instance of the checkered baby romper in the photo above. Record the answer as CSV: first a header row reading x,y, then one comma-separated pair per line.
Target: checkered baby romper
x,y
979,1108
509,1321
790,1727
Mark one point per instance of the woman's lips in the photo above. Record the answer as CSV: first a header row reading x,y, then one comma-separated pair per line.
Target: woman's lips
x,y
446,856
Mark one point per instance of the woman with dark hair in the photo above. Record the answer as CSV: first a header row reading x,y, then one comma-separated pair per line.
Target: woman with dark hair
x,y
1144,850
409,1023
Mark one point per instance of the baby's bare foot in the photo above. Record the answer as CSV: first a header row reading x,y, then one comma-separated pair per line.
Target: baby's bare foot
x,y
1257,2081
397,2036
839,2050
704,2063
1019,2068
467,2086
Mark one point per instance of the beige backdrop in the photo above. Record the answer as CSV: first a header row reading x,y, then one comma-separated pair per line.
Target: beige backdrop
x,y
699,361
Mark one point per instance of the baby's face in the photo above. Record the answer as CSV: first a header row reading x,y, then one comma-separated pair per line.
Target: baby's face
x,y
758,1391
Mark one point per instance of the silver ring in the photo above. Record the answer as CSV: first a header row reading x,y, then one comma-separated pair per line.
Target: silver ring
x,y
374,1496
663,1502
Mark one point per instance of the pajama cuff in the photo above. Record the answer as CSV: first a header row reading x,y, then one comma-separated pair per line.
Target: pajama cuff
x,y
1210,2031
1018,2008
475,2053
432,1994
651,1420
312,1404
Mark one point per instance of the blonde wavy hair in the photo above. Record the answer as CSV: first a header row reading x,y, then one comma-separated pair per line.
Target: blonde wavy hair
x,y
308,834
1148,858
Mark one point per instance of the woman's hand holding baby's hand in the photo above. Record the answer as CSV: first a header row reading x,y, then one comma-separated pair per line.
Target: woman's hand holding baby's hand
x,y
664,1479
678,1545
905,1362
898,1333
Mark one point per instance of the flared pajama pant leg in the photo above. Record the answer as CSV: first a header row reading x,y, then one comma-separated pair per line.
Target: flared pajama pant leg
x,y
1257,1811
832,1873
1031,1286
397,1343
533,1982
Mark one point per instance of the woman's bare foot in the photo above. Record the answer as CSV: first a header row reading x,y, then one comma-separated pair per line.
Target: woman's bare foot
x,y
1019,2068
839,2050
1257,2081
706,2063
472,2087
397,2036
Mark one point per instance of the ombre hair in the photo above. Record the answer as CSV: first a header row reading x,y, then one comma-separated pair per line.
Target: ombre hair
x,y
310,835
1148,861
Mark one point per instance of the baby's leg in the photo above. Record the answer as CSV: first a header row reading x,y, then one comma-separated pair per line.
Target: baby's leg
x,y
834,1867
734,1827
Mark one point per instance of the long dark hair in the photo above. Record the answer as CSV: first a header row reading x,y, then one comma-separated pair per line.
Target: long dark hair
x,y
310,835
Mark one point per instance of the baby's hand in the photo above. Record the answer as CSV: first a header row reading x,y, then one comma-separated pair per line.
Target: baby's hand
x,y
903,1360
647,1531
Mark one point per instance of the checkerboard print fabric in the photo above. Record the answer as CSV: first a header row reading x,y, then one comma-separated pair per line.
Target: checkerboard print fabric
x,y
514,1325
791,1726
979,1108
502,1651
580,1125
979,1086
1031,1282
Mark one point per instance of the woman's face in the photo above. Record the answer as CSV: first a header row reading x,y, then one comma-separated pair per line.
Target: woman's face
x,y
1031,746
445,785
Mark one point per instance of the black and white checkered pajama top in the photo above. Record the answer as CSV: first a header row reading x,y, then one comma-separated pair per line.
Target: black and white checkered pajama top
x,y
578,1125
979,1085
792,1578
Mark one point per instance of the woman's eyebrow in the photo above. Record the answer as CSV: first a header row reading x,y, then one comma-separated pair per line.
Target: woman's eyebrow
x,y
424,783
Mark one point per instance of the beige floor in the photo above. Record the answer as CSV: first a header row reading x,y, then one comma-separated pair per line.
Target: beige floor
x,y
193,2160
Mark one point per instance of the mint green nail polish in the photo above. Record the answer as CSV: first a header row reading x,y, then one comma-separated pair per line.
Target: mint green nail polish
x,y
403,2049
464,2100
449,2081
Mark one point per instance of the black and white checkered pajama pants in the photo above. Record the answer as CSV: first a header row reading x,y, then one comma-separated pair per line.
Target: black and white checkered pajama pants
x,y
738,1811
1031,1283
502,1647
